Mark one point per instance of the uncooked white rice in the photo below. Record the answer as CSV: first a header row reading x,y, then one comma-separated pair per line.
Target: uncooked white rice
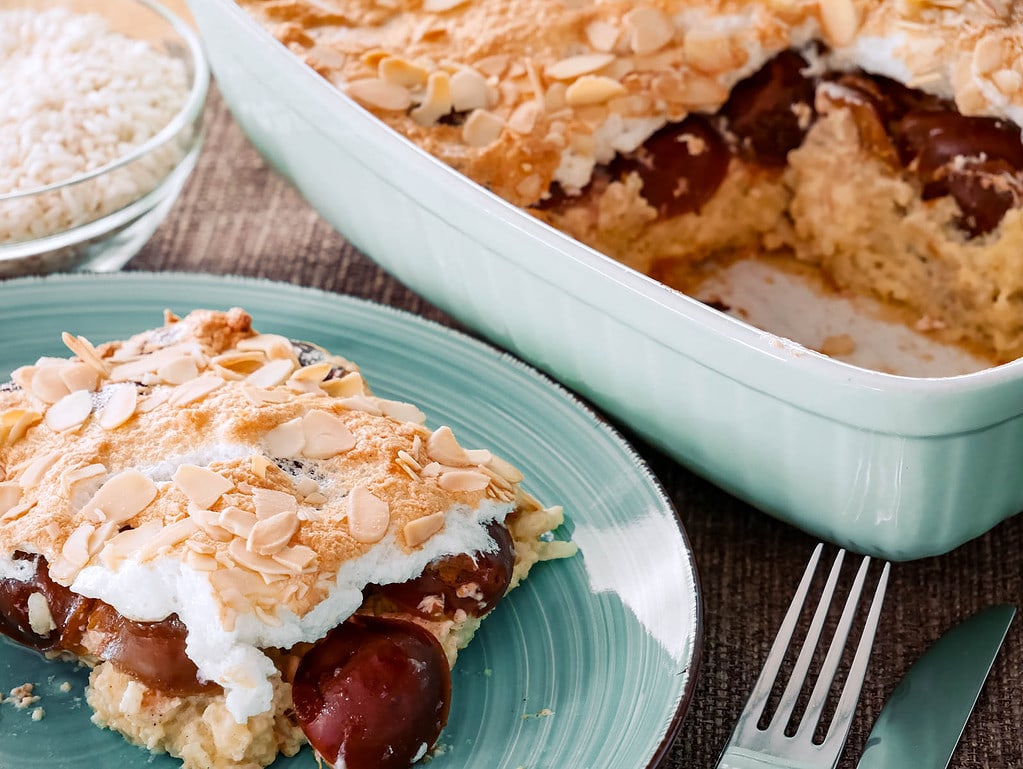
x,y
75,97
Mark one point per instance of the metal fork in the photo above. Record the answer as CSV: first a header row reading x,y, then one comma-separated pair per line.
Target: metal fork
x,y
751,747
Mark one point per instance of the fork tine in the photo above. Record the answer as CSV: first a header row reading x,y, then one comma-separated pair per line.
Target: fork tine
x,y
765,681
797,678
858,671
826,677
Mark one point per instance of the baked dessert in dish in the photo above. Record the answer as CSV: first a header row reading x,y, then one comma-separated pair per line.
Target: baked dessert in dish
x,y
878,142
250,549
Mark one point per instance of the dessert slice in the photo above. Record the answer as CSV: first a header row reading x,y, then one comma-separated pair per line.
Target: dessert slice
x,y
876,141
249,548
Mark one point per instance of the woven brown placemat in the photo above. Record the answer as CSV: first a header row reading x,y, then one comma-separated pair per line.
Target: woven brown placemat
x,y
237,216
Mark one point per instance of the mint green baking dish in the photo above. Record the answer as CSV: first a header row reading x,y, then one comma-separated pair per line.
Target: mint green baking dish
x,y
894,466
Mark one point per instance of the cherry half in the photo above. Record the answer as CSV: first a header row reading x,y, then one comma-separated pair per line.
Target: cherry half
x,y
373,693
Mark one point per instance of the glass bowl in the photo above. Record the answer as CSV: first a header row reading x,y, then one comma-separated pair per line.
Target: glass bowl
x,y
97,220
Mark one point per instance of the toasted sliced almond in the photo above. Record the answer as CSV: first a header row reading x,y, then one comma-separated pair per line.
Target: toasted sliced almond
x,y
47,383
443,447
209,522
239,363
202,486
463,480
524,118
83,474
76,547
349,385
194,390
39,617
168,537
437,101
237,521
10,495
839,21
120,406
401,72
419,530
377,93
602,35
270,535
440,6
469,90
83,348
15,423
70,411
272,345
259,396
649,30
272,374
136,370
123,496
575,66
260,465
368,515
270,502
287,439
260,564
178,371
325,435
482,128
306,486
79,376
154,400
505,469
316,372
593,89
297,558
36,469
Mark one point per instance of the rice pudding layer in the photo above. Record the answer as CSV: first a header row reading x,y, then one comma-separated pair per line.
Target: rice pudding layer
x,y
879,141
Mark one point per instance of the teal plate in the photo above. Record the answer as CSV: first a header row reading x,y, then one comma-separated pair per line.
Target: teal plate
x,y
590,664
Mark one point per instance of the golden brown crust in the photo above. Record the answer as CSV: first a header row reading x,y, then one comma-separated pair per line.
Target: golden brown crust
x,y
194,469
546,90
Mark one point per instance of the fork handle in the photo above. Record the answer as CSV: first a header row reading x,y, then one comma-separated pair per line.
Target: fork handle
x,y
737,758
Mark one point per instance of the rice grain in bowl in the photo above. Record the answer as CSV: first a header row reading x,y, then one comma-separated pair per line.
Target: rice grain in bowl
x,y
100,124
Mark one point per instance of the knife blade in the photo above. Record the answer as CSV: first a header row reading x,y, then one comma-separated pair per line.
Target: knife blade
x,y
922,721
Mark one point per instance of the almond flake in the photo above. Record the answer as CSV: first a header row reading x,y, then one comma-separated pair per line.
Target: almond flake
x,y
306,486
79,376
258,395
463,480
168,537
156,398
349,385
76,547
10,495
14,423
270,535
316,498
135,370
316,372
39,617
82,474
437,101
296,558
524,118
401,411
593,89
482,128
19,510
83,348
325,435
287,439
401,72
238,363
258,563
602,35
839,21
259,465
120,406
123,496
409,460
270,502
431,470
70,411
36,469
272,374
443,447
237,521
649,30
376,93
505,469
272,345
194,390
368,516
493,66
178,371
469,90
47,383
419,530
209,522
574,66
202,486
201,561
440,6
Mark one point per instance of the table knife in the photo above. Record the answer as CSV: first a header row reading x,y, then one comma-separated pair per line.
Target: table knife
x,y
922,721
